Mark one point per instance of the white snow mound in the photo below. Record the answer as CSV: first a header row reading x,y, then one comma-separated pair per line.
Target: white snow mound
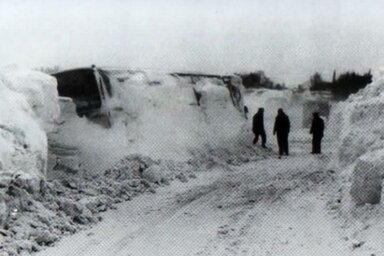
x,y
29,105
160,116
356,127
357,124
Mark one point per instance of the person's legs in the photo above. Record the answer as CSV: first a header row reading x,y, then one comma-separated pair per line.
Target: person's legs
x,y
313,145
317,144
286,148
263,139
280,143
256,138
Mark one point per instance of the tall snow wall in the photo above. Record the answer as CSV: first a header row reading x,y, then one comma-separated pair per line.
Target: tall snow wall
x,y
168,116
29,106
357,124
356,127
161,116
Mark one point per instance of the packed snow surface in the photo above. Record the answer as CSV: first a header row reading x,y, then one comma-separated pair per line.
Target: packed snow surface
x,y
270,207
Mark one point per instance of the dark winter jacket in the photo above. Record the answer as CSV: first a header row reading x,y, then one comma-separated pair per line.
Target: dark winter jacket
x,y
282,124
258,123
317,127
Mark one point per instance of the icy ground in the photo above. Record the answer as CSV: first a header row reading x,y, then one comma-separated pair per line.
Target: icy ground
x,y
74,201
268,207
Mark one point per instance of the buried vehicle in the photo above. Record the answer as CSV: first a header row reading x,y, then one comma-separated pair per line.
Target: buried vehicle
x,y
180,112
91,89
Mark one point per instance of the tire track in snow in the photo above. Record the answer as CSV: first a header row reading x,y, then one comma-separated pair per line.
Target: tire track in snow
x,y
240,213
201,199
241,234
199,205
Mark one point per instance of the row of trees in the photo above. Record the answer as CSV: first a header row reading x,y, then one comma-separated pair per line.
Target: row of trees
x,y
259,80
342,86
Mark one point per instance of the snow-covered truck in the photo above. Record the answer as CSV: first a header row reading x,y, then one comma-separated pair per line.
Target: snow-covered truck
x,y
90,89
180,112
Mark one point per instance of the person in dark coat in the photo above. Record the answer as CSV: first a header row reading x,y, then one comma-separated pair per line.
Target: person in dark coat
x,y
317,131
281,129
258,127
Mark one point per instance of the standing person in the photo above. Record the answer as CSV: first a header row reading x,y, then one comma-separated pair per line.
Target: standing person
x,y
317,131
281,129
258,127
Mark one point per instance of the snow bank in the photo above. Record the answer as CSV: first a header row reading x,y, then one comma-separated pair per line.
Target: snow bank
x,y
63,155
71,204
357,123
356,127
174,116
29,105
160,116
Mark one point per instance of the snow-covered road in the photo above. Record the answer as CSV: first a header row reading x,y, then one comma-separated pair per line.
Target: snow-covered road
x,y
270,207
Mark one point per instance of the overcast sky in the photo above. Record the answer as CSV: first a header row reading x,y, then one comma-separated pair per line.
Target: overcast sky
x,y
289,39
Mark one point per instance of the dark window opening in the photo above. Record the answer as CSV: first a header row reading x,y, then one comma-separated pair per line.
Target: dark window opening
x,y
81,86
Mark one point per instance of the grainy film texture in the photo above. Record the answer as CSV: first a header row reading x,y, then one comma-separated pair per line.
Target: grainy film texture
x,y
191,128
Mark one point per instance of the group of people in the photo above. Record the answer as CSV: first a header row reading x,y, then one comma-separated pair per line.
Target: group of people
x,y
282,128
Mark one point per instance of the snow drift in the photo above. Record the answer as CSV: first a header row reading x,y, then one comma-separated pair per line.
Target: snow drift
x,y
161,116
357,129
29,105
170,119
357,123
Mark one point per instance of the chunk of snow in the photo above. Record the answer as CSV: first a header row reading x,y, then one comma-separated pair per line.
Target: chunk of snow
x,y
29,105
367,178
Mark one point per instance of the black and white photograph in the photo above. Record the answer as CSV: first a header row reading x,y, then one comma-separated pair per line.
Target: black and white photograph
x,y
191,128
